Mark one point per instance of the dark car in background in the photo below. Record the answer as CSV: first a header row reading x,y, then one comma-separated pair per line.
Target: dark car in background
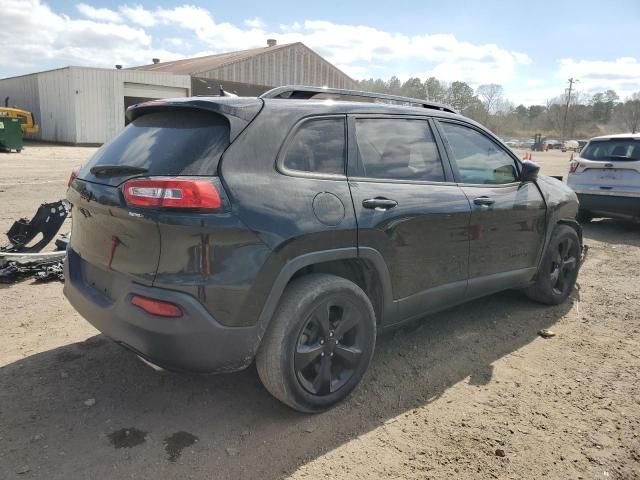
x,y
294,227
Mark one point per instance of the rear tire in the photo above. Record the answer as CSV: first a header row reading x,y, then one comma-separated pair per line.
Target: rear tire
x,y
559,268
584,216
319,344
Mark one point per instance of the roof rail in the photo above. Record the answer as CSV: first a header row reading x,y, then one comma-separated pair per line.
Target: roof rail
x,y
301,92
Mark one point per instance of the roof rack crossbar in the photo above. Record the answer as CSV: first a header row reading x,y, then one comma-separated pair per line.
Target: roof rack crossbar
x,y
301,92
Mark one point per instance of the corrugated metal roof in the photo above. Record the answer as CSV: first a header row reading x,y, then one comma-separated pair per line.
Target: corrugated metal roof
x,y
192,66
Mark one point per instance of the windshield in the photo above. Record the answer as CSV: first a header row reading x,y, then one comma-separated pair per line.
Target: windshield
x,y
617,149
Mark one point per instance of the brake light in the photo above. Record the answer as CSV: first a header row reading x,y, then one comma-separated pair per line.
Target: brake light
x,y
172,193
573,166
156,307
74,174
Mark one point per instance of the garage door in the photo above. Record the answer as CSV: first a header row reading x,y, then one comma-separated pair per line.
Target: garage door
x,y
153,91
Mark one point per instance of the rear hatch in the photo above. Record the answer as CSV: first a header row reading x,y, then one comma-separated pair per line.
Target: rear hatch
x,y
608,167
175,142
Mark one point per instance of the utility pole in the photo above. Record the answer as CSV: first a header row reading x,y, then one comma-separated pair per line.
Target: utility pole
x,y
566,108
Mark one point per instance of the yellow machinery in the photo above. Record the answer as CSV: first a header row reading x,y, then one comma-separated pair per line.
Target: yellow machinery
x,y
27,123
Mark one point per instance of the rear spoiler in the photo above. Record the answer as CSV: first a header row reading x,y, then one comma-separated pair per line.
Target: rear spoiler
x,y
238,111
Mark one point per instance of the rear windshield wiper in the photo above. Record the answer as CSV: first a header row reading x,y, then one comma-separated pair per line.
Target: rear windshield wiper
x,y
115,170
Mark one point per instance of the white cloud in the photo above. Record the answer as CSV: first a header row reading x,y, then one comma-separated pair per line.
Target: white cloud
x,y
138,15
62,40
123,35
178,42
94,13
353,48
621,75
255,22
131,35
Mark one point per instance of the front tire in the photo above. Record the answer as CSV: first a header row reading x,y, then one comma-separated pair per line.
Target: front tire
x,y
320,343
559,268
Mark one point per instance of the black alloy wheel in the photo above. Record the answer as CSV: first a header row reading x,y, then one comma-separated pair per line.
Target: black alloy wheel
x,y
319,344
559,267
329,346
563,265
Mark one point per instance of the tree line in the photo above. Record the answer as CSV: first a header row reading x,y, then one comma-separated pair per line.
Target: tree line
x,y
588,115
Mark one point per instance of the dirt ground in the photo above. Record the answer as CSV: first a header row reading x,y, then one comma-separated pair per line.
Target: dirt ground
x,y
473,392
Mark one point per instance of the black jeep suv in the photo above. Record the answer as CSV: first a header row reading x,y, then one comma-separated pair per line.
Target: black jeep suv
x,y
293,227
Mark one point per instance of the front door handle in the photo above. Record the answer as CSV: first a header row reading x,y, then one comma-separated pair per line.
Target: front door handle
x,y
379,203
484,201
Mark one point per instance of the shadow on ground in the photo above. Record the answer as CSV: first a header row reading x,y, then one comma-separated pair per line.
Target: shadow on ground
x,y
238,429
611,231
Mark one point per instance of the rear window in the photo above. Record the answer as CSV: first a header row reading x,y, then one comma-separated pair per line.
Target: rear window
x,y
175,142
618,149
318,146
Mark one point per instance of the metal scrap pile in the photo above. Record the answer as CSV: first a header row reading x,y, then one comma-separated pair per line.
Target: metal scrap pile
x,y
19,259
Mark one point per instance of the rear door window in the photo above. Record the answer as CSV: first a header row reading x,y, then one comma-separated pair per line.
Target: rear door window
x,y
397,149
172,142
317,146
478,158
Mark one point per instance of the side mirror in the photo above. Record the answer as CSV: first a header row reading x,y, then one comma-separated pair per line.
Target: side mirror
x,y
529,171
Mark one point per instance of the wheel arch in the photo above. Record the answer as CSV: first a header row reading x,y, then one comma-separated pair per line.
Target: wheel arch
x,y
573,223
365,267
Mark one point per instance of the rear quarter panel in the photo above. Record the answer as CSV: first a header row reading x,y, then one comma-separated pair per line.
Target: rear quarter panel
x,y
278,208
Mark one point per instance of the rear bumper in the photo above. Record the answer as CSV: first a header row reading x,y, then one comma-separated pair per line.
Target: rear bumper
x,y
195,342
610,205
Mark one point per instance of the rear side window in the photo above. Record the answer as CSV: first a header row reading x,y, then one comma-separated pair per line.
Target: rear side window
x,y
317,146
479,159
173,142
397,149
618,149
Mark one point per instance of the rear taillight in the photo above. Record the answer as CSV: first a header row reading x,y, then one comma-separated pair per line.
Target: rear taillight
x,y
156,307
180,193
74,174
573,166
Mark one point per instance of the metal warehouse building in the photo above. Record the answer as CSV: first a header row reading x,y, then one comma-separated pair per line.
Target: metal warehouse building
x,y
81,105
86,105
252,72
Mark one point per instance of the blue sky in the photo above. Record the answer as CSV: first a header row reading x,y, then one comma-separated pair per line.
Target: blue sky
x,y
530,48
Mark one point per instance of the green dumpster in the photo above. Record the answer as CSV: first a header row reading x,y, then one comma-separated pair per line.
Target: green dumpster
x,y
10,134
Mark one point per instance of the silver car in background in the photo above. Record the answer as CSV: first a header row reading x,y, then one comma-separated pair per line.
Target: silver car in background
x,y
606,177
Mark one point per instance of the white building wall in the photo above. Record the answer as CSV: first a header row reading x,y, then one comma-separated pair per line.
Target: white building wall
x,y
82,105
57,117
99,98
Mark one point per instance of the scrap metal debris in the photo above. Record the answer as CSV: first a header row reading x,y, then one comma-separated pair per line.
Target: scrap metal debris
x,y
41,271
19,259
47,221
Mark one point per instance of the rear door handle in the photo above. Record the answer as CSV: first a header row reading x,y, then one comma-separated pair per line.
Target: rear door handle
x,y
484,201
379,203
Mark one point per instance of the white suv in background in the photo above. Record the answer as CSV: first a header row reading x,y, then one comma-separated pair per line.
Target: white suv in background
x,y
606,177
